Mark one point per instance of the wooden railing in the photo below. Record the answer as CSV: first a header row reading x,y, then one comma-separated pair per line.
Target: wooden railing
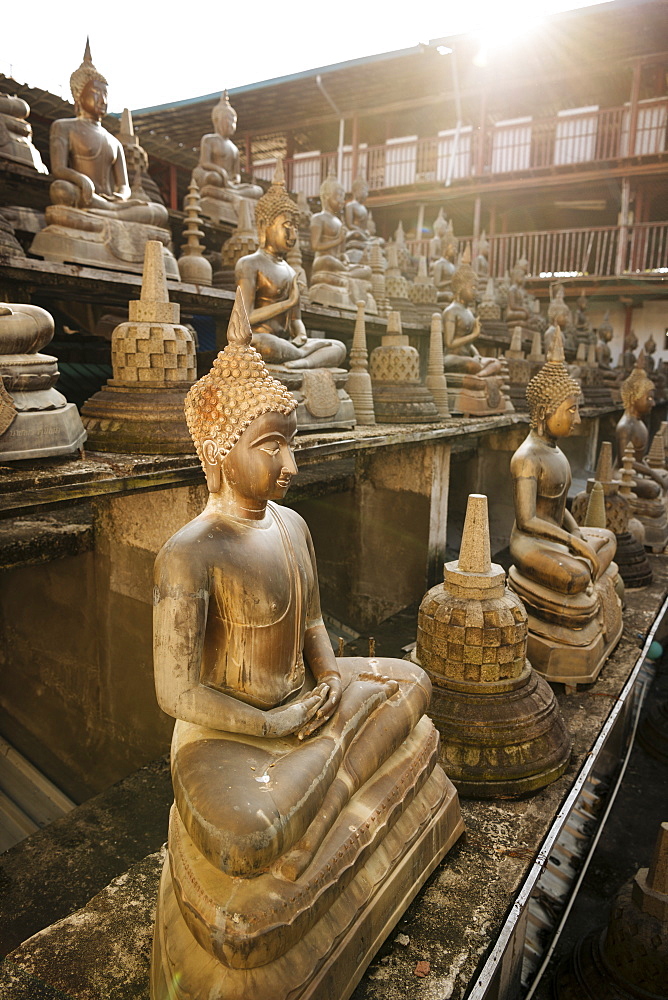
x,y
605,251
573,137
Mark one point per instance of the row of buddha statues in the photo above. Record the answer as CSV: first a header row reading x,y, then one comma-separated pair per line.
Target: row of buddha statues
x,y
315,792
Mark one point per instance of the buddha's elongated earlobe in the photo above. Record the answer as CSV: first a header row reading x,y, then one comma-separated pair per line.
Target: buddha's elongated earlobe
x,y
211,462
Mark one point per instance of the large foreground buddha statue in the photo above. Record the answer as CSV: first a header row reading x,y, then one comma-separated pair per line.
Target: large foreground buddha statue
x,y
309,807
94,217
564,574
218,172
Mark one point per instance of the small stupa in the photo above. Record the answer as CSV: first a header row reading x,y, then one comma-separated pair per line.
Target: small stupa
x,y
501,729
489,310
140,409
398,393
36,421
626,488
136,157
359,380
630,556
378,286
193,265
628,960
243,241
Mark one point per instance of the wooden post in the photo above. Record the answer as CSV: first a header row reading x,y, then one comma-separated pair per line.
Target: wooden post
x,y
476,218
622,246
173,189
438,512
633,111
419,225
249,155
480,150
355,141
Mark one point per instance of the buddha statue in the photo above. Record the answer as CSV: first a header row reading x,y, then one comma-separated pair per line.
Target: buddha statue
x,y
649,348
564,574
444,267
521,306
476,384
559,315
356,216
94,218
627,361
583,331
439,229
218,171
651,484
605,335
16,143
481,265
270,290
309,806
335,281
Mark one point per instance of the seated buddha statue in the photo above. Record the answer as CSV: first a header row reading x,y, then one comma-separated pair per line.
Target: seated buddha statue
x,y
563,573
270,290
443,268
305,783
603,352
481,265
462,358
93,217
522,308
218,171
651,484
356,216
335,280
628,359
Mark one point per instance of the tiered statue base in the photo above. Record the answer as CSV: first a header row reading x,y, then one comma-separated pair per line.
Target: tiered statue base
x,y
570,635
476,397
78,237
403,403
133,420
631,558
322,401
502,737
232,938
221,211
43,433
652,516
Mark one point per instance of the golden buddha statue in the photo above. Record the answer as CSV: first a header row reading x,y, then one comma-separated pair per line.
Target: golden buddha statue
x,y
94,218
270,290
564,574
309,807
476,384
334,280
651,484
218,172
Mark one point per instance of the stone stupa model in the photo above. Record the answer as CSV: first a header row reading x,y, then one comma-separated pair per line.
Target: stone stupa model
x,y
140,409
36,421
500,725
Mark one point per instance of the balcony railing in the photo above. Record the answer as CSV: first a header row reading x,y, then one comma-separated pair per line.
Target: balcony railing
x,y
573,137
605,251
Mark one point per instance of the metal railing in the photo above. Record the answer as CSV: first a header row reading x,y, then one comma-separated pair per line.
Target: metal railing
x,y
575,136
603,251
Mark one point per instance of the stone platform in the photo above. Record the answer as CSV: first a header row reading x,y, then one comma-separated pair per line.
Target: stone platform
x,y
102,951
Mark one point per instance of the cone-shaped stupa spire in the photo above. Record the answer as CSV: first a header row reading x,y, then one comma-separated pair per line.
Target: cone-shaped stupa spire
x,y
656,456
154,280
193,265
595,517
474,552
127,129
239,331
359,380
436,381
604,466
556,352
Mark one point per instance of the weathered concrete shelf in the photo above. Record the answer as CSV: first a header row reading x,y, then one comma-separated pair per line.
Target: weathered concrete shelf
x,y
102,951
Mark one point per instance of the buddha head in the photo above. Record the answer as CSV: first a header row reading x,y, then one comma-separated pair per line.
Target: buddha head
x,y
237,413
89,88
464,280
638,390
630,341
224,117
605,330
332,194
518,275
450,244
553,395
360,189
277,216
483,245
650,345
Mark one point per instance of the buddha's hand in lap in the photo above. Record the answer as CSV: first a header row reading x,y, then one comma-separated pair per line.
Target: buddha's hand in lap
x,y
326,711
87,189
582,548
288,719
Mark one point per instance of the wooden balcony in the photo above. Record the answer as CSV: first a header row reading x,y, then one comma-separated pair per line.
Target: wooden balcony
x,y
576,137
602,252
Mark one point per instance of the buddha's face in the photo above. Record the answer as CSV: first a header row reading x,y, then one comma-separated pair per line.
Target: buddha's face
x,y
334,197
261,465
467,290
360,192
281,234
562,421
93,99
225,122
645,402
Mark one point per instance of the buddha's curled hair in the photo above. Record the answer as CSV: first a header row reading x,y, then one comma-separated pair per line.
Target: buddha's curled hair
x,y
239,388
552,384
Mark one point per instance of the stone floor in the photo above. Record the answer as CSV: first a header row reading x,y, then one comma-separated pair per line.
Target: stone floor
x,y
109,849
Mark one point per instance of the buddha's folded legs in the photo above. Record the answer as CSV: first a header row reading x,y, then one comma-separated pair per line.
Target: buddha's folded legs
x,y
550,564
132,210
